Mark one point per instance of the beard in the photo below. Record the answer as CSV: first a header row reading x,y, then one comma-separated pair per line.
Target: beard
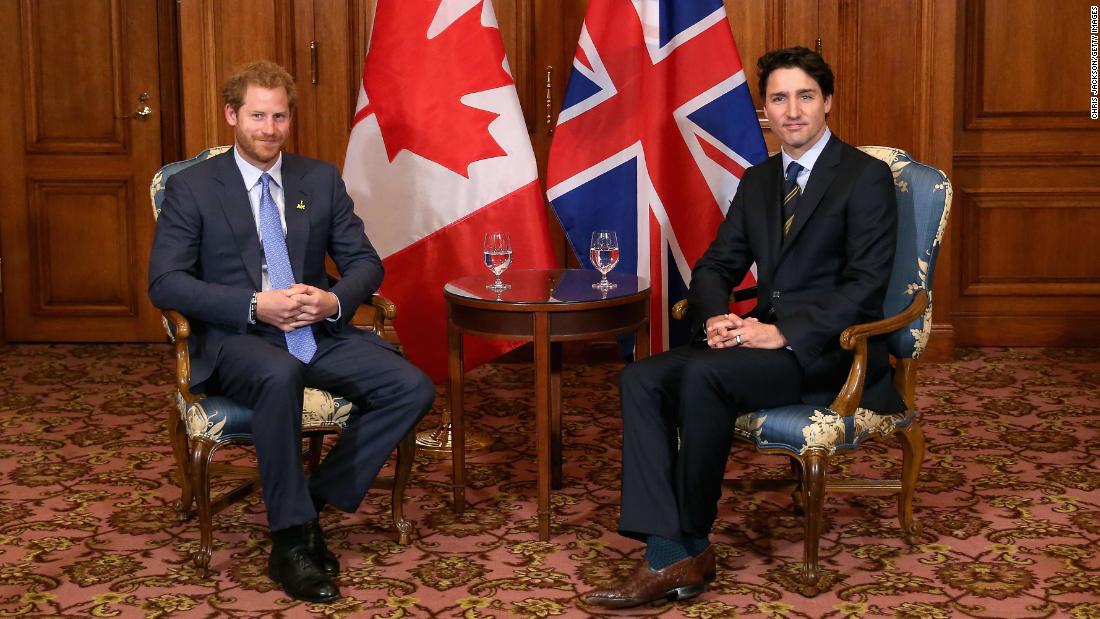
x,y
259,153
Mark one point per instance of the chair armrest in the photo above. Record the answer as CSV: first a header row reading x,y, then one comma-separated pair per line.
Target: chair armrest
x,y
387,308
679,310
384,310
854,338
180,330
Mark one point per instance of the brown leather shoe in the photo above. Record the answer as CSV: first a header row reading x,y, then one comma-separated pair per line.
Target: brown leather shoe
x,y
684,579
706,564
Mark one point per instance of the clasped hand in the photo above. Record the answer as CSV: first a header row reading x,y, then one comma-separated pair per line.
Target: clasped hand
x,y
730,331
294,307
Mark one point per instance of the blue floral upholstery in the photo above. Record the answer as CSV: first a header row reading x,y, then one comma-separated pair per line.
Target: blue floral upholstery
x,y
924,202
156,187
220,419
800,427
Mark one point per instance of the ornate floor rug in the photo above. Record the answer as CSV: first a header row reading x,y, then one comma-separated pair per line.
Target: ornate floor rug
x,y
1009,498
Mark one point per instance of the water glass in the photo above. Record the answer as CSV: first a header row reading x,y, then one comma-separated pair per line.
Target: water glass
x,y
498,256
604,253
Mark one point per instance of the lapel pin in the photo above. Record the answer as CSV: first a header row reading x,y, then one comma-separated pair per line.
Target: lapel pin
x,y
301,205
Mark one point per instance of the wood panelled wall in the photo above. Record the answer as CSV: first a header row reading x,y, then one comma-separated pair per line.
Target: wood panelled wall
x,y
80,136
1027,176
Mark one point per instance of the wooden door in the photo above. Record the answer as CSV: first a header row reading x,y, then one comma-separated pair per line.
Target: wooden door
x,y
80,139
1027,182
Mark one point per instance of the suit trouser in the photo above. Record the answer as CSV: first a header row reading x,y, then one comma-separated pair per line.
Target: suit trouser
x,y
262,375
694,393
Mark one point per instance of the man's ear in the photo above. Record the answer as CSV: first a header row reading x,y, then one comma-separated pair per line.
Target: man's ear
x,y
828,103
230,115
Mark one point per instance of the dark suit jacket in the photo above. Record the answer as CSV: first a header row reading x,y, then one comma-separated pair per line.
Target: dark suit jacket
x,y
206,257
829,273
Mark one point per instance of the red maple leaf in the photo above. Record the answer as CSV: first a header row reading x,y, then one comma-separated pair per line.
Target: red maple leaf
x,y
415,84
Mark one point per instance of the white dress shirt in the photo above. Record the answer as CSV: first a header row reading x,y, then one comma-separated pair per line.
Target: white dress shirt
x,y
807,160
254,187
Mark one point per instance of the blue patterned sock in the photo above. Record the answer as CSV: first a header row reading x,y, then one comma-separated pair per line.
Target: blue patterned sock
x,y
696,545
661,552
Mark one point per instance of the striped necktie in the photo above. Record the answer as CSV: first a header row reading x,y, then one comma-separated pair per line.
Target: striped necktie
x,y
300,341
791,191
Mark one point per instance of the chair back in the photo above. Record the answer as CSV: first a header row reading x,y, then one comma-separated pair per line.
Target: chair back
x,y
924,202
156,196
156,187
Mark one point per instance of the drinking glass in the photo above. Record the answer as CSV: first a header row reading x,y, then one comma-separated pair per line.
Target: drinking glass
x,y
498,256
604,253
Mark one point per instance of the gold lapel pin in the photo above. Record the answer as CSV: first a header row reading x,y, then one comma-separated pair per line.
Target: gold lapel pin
x,y
301,205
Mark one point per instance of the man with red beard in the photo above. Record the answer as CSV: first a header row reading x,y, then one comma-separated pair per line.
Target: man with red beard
x,y
240,250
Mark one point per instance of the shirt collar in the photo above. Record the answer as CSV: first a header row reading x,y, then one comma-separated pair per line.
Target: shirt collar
x,y
251,173
809,158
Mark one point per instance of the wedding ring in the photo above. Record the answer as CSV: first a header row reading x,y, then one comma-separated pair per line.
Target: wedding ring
x,y
738,338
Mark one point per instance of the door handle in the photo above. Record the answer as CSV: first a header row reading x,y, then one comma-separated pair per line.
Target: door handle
x,y
143,112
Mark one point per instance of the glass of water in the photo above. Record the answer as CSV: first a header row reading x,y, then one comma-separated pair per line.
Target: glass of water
x,y
604,253
498,256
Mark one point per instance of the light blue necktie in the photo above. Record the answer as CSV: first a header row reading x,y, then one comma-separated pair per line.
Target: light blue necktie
x,y
300,341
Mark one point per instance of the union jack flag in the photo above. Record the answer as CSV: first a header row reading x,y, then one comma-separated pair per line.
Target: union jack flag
x,y
655,132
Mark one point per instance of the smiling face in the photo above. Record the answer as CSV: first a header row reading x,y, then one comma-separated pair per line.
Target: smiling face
x,y
261,125
796,109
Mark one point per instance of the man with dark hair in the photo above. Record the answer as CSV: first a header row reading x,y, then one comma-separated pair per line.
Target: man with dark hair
x,y
819,220
240,250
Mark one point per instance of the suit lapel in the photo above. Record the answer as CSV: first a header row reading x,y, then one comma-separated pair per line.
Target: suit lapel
x,y
824,172
238,213
296,209
772,170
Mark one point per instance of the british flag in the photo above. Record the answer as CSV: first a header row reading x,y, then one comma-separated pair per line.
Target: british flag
x,y
655,132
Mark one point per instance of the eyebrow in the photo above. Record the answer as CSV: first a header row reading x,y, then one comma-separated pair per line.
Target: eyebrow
x,y
797,92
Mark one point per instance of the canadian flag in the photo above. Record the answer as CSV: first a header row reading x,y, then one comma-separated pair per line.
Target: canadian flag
x,y
439,155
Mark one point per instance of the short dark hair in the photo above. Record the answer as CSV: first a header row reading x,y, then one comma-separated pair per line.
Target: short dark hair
x,y
262,73
795,58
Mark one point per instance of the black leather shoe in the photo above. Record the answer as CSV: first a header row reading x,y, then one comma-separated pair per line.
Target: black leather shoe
x,y
292,566
315,543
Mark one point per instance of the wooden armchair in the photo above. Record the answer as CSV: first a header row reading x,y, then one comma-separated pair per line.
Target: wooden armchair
x,y
199,425
809,434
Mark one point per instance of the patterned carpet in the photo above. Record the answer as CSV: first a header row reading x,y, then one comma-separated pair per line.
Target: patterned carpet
x,y
1009,499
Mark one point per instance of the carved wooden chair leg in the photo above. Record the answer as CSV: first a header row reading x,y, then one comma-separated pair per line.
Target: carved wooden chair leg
x,y
406,453
796,494
200,481
313,454
178,439
912,455
814,463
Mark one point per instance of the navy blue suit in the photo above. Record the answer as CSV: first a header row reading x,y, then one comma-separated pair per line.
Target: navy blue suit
x,y
828,273
206,263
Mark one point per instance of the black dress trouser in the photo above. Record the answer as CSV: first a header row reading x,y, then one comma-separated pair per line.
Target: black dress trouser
x,y
671,488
